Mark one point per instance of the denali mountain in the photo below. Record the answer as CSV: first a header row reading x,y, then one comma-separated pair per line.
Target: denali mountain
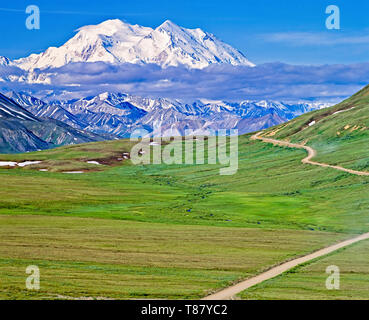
x,y
115,41
21,131
120,114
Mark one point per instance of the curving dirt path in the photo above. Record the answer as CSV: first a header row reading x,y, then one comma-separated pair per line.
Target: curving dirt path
x,y
230,292
311,154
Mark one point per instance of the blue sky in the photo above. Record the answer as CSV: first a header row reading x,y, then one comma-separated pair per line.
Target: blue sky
x,y
288,31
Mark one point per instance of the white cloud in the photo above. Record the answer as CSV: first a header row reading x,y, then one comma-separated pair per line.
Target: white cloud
x,y
218,82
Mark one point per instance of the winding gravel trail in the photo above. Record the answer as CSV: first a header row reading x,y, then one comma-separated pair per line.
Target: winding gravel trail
x,y
311,154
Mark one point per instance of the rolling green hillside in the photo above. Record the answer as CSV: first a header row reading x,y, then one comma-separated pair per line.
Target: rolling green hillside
x,y
339,134
155,231
341,137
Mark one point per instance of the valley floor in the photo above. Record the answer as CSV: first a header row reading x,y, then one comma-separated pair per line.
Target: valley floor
x,y
81,257
159,231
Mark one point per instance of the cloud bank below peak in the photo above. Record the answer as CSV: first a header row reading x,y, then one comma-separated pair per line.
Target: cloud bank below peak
x,y
275,81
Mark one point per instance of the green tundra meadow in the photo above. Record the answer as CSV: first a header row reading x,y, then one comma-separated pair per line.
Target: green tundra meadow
x,y
123,231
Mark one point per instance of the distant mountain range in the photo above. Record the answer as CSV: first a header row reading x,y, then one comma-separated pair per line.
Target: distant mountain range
x,y
120,114
115,41
22,131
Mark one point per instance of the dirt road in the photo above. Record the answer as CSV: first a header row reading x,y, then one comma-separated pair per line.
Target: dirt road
x,y
230,292
311,154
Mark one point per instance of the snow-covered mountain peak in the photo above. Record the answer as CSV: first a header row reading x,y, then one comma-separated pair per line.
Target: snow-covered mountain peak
x,y
119,29
270,104
107,27
103,96
170,28
115,41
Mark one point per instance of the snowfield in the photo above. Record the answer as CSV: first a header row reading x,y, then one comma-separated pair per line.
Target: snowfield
x,y
21,164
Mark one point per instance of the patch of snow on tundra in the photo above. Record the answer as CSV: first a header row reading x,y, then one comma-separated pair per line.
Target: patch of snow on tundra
x,y
28,163
343,110
73,172
7,164
94,162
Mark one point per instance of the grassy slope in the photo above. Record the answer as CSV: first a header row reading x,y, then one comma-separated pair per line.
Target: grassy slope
x,y
339,138
272,192
75,157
